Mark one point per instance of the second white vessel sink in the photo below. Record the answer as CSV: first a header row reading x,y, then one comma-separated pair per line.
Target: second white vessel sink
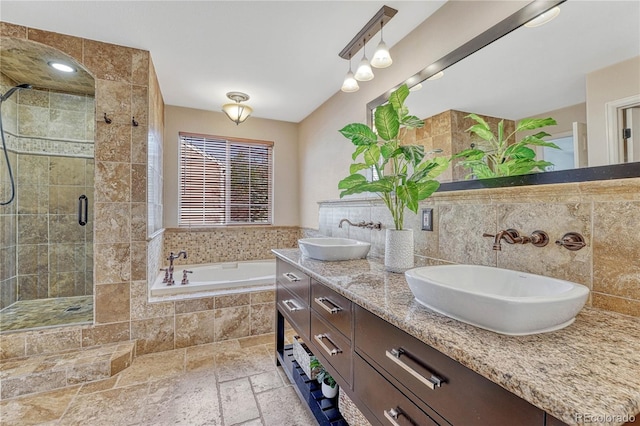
x,y
333,248
499,300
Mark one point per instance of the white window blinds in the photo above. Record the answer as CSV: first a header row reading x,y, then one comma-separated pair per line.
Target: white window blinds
x,y
224,181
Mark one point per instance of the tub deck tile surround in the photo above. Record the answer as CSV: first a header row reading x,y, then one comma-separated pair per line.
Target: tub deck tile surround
x,y
588,368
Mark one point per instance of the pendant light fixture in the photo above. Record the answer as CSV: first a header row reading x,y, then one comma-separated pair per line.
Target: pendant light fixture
x,y
381,57
364,71
237,112
350,84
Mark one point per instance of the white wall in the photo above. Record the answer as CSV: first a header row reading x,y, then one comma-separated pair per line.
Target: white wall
x,y
608,84
324,155
285,154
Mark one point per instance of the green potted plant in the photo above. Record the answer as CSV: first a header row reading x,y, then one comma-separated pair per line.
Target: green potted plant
x,y
403,175
495,157
328,383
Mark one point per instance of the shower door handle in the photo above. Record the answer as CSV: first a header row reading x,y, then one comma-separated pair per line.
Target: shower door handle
x,y
83,210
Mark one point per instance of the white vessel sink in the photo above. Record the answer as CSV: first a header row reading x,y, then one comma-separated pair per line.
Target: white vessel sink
x,y
333,248
500,300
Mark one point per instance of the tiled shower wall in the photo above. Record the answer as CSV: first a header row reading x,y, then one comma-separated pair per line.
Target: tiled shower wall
x,y
45,252
606,213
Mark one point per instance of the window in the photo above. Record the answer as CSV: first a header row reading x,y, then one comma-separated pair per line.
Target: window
x,y
224,181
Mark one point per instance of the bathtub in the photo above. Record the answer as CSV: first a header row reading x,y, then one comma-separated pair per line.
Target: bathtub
x,y
216,278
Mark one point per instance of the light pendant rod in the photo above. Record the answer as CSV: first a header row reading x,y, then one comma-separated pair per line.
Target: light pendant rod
x,y
372,27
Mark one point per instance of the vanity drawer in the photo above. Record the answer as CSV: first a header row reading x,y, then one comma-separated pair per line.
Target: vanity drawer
x,y
463,396
332,346
333,307
386,402
295,281
294,310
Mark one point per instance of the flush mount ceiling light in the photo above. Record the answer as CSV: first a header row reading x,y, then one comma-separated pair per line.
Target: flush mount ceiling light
x,y
543,18
381,58
61,66
350,84
237,112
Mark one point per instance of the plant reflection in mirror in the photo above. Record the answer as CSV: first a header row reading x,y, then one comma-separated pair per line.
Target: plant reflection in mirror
x,y
493,156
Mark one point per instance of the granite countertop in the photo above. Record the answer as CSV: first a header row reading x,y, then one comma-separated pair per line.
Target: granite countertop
x,y
586,373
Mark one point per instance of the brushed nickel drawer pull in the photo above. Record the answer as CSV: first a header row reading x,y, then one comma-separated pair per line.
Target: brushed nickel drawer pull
x,y
322,301
291,306
319,338
432,382
291,277
392,415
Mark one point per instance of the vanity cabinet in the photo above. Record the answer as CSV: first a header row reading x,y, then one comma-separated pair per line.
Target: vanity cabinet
x,y
391,376
425,375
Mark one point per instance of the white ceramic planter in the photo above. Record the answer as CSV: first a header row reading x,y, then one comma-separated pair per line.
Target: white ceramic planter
x,y
328,391
398,250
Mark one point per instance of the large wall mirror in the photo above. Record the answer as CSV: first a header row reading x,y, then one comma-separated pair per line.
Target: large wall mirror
x,y
582,68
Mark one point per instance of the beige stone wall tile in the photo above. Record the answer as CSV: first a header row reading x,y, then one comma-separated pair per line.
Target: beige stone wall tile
x,y
195,305
288,237
119,361
113,263
263,297
425,242
63,228
113,182
113,98
113,142
63,199
112,302
33,229
46,341
32,383
616,249
101,334
66,124
138,221
34,121
263,318
139,261
142,309
67,101
194,328
67,171
34,97
98,386
12,30
139,150
552,260
232,300
461,227
32,169
616,304
153,335
108,61
139,183
140,104
88,372
112,222
232,323
611,190
140,67
13,345
70,45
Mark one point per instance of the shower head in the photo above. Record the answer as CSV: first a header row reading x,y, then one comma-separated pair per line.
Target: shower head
x,y
13,89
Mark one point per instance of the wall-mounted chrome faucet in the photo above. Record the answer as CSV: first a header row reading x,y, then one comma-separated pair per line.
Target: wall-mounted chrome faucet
x,y
512,236
362,224
168,272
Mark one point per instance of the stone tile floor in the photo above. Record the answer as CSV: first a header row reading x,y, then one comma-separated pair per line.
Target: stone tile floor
x,y
235,382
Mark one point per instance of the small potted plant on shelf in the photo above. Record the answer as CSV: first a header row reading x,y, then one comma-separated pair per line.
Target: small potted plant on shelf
x,y
329,385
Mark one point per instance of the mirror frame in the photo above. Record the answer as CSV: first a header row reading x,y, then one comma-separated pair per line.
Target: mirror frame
x,y
501,29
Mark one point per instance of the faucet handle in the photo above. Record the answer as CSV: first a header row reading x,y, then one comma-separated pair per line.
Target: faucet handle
x,y
185,280
572,241
166,275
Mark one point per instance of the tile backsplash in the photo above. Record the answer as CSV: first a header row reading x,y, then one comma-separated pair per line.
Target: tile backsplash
x,y
606,213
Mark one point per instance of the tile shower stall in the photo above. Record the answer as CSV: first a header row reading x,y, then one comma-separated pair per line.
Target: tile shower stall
x,y
45,253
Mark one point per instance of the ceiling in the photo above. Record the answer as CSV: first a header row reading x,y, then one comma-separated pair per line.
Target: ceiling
x,y
284,54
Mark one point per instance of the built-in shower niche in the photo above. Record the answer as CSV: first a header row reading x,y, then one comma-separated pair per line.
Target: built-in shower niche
x,y
46,255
